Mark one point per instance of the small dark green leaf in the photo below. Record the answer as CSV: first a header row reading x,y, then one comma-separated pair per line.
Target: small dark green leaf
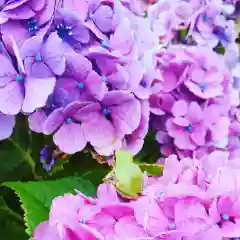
x,y
152,169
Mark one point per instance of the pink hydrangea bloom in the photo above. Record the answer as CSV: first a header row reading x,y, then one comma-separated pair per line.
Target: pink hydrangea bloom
x,y
193,199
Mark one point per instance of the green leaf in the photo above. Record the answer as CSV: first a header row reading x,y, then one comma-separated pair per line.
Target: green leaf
x,y
11,230
152,169
36,197
13,163
11,223
21,133
129,176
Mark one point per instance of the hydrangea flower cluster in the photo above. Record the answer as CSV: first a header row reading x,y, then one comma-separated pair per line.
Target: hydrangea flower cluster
x,y
194,199
77,70
98,72
195,111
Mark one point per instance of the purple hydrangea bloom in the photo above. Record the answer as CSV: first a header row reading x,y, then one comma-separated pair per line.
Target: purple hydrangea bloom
x,y
106,123
43,59
68,132
20,92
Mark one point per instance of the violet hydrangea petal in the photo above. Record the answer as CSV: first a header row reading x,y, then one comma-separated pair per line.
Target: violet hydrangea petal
x,y
70,138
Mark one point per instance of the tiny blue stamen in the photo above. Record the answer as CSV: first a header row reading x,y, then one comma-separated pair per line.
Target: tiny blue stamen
x,y
81,85
188,128
69,120
236,238
38,58
104,44
171,226
104,78
143,83
205,17
64,31
91,15
106,112
19,78
203,86
32,26
225,217
83,221
161,194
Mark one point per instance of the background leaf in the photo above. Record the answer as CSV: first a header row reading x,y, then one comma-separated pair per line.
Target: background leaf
x,y
152,169
36,197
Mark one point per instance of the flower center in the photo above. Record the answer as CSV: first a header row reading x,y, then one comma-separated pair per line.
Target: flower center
x,y
143,83
81,85
205,17
83,221
32,26
68,120
225,217
104,44
189,127
106,112
64,31
171,226
19,78
220,33
105,79
38,58
203,86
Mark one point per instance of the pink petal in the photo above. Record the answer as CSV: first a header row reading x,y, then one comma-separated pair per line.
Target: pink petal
x,y
181,121
183,141
180,108
133,229
106,193
37,91
195,113
198,135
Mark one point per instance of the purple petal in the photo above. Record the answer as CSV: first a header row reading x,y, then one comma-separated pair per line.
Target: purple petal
x,y
53,54
96,86
11,98
7,124
103,18
7,71
53,121
36,121
37,91
22,12
77,66
70,138
38,5
14,4
99,131
31,47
